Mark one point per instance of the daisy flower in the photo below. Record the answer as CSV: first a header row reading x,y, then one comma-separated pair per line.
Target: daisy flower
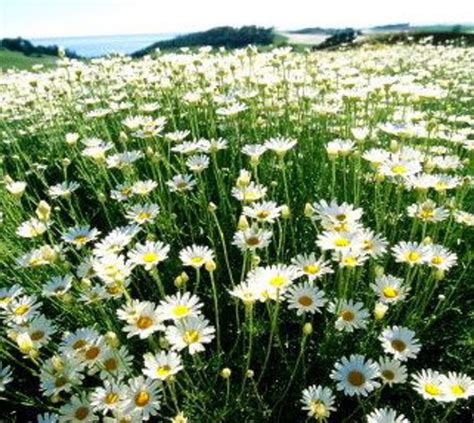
x,y
389,289
337,217
142,318
464,217
60,374
441,258
247,291
374,245
179,306
141,397
78,409
339,241
457,386
318,401
252,238
311,267
411,253
305,298
429,385
23,308
280,145
114,363
190,333
107,398
355,375
162,365
8,294
112,268
400,342
57,286
386,415
181,183
196,256
149,255
250,192
272,281
80,235
142,213
197,163
392,371
31,228
397,167
143,188
350,315
266,211
427,212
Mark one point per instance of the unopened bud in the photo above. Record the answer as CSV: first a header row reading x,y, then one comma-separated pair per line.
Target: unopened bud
x,y
112,339
226,373
243,223
394,146
210,266
250,373
308,210
244,178
212,207
285,212
43,211
307,329
380,310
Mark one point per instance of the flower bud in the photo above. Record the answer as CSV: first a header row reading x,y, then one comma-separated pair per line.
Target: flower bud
x,y
112,339
210,266
380,310
308,210
285,212
244,178
307,329
226,373
43,211
250,373
243,223
394,146
211,207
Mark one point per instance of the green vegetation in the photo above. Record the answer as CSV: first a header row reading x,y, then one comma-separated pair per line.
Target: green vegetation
x,y
16,60
224,36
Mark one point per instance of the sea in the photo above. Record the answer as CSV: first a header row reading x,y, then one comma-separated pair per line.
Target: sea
x,y
96,46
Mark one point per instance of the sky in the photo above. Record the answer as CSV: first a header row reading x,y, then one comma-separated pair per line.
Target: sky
x,y
59,18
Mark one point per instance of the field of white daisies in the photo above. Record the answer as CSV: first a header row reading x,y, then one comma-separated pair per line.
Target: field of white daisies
x,y
239,237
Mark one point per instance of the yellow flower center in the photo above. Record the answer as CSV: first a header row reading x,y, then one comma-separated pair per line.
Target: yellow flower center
x,y
390,292
278,281
252,241
92,353
81,239
191,336
142,398
432,389
350,261
250,195
150,257
143,216
399,169
110,364
426,214
60,381
163,371
457,389
388,374
347,315
319,409
111,398
341,217
197,260
263,214
356,378
413,256
305,301
399,345
181,310
437,260
341,242
144,322
312,269
37,335
81,413
80,343
22,309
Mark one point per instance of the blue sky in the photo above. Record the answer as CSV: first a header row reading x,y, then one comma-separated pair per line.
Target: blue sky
x,y
49,18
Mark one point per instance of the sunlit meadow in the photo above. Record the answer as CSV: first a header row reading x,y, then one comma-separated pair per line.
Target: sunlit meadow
x,y
238,236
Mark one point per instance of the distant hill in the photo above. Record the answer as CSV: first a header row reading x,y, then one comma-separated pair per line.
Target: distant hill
x,y
317,30
27,48
224,36
391,27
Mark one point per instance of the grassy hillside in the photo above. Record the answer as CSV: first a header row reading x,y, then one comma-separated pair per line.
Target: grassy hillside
x,y
12,59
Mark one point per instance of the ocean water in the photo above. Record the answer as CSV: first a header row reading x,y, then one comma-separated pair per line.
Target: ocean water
x,y
95,46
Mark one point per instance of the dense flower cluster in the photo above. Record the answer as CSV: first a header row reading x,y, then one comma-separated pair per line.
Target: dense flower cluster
x,y
208,236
